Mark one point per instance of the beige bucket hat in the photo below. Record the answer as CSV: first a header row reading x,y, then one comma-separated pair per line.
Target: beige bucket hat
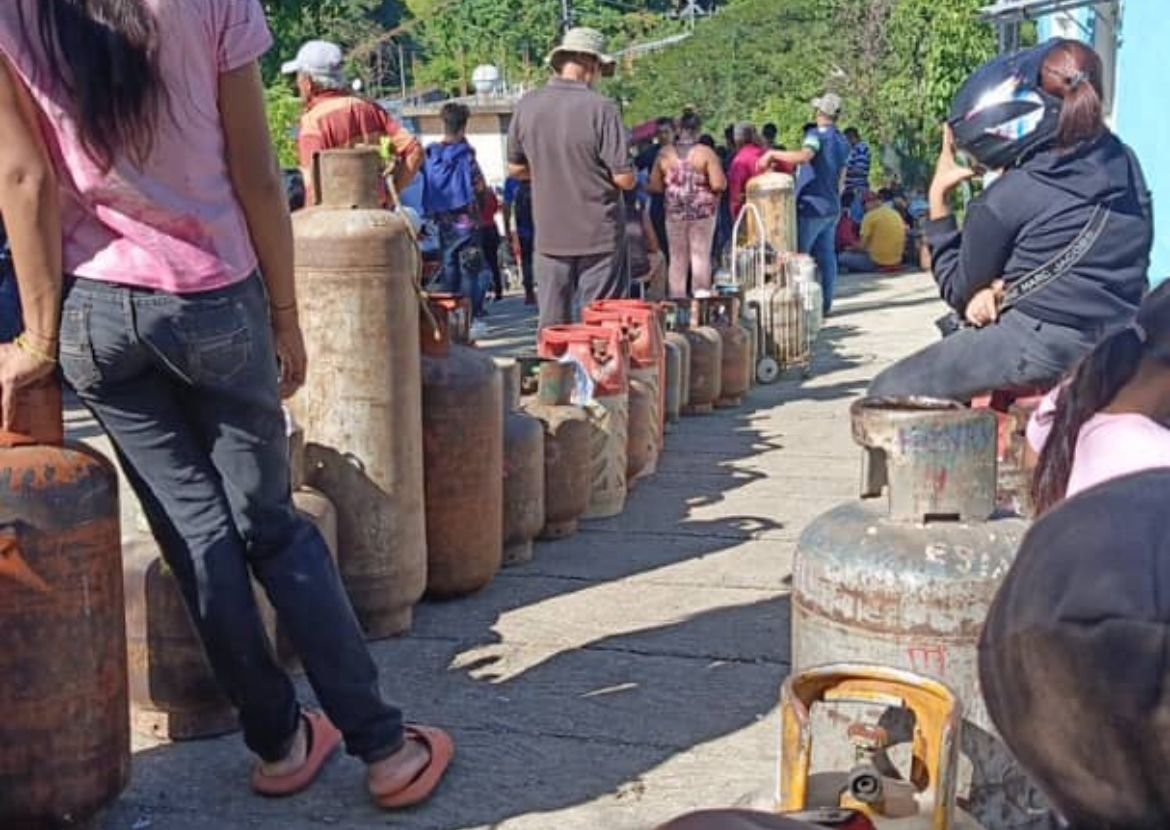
x,y
585,41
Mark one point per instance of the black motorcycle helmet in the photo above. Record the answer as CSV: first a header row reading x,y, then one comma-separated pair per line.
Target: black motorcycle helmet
x,y
1002,114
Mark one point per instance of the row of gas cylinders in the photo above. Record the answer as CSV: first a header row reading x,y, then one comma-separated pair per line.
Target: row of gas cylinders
x,y
421,460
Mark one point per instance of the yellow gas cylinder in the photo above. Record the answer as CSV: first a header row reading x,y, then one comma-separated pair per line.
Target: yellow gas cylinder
x,y
920,797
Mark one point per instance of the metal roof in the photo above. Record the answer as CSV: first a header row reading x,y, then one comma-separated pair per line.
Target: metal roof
x,y
1012,11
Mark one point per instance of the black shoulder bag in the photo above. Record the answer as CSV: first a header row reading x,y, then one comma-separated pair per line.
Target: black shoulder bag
x,y
1050,271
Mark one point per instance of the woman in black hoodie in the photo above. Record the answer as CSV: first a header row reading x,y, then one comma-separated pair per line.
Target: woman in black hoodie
x,y
1070,217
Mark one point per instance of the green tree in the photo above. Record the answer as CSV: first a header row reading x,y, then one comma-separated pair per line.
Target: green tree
x,y
931,48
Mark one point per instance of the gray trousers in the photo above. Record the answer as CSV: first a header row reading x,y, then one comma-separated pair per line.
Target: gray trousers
x,y
565,285
1018,351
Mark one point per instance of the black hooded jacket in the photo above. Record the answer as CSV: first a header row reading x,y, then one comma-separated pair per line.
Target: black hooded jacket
x,y
1032,213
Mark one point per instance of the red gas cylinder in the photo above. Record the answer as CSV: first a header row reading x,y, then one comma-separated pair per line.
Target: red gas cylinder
x,y
642,438
721,314
523,470
603,353
647,332
463,453
568,466
65,734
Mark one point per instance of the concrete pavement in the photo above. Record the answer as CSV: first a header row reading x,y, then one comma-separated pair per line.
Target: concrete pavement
x,y
629,673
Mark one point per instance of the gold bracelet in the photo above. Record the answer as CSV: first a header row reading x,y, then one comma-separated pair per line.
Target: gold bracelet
x,y
21,342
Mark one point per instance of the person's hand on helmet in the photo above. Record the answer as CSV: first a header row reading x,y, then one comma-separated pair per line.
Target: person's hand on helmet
x,y
948,173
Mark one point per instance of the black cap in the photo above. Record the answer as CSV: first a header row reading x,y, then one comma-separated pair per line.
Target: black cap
x,y
1075,656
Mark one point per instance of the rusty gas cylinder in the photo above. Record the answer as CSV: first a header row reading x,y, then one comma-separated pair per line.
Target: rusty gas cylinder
x,y
523,470
740,318
601,352
568,466
361,404
642,438
463,446
706,364
173,692
909,584
669,312
65,734
735,367
774,196
646,331
673,385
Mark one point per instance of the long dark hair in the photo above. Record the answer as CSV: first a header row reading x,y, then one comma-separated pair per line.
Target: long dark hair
x,y
1072,72
105,55
1093,386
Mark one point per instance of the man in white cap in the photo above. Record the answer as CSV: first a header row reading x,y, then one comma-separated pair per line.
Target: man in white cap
x,y
570,141
336,118
822,157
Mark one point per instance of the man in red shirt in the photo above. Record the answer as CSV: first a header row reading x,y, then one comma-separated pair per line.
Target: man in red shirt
x,y
750,148
335,118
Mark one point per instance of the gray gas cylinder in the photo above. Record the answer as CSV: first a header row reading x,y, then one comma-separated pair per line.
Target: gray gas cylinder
x,y
908,583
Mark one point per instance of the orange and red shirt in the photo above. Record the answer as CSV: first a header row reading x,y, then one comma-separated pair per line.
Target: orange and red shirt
x,y
335,120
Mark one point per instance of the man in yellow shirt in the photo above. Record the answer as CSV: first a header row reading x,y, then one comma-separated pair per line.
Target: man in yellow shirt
x,y
883,239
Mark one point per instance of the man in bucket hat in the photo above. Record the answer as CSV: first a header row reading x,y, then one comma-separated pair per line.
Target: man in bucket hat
x,y
570,141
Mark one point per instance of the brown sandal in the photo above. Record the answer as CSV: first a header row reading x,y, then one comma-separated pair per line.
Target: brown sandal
x,y
322,739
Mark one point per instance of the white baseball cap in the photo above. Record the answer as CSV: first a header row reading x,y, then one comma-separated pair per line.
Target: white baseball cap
x,y
829,104
318,58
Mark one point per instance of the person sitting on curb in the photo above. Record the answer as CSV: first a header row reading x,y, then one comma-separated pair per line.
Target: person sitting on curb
x,y
883,239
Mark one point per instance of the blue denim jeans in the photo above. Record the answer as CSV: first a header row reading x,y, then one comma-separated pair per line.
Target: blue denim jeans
x,y
11,322
465,270
186,388
818,236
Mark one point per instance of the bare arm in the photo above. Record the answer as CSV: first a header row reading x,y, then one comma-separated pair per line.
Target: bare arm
x,y
658,176
716,178
258,187
802,156
30,205
520,171
626,181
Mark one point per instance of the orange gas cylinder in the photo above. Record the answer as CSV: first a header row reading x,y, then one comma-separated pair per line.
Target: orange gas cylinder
x,y
463,451
360,406
720,313
646,329
706,365
568,466
523,470
642,428
602,352
65,734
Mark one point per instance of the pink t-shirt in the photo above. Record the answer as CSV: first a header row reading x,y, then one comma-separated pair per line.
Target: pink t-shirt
x,y
1109,445
174,225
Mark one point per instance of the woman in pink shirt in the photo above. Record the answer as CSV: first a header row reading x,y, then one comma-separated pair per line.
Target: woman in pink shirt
x,y
137,162
1110,419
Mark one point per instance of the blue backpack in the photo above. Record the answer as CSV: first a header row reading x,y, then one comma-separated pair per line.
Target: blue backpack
x,y
449,179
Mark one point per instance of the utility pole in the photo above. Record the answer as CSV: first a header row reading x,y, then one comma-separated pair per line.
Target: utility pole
x,y
402,70
566,15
